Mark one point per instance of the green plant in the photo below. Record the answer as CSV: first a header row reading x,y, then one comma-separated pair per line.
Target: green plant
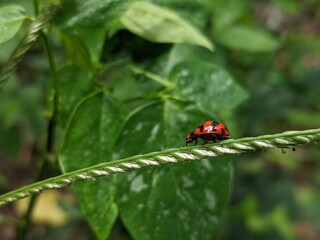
x,y
127,83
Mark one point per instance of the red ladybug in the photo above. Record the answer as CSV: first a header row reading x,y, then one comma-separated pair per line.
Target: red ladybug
x,y
208,131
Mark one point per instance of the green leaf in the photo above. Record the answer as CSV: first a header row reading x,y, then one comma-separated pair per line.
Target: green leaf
x,y
227,12
89,140
186,8
161,25
247,39
207,85
74,84
93,39
173,202
77,51
184,52
138,125
76,15
11,19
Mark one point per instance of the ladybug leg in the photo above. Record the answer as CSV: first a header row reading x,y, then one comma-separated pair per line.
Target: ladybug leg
x,y
214,138
205,140
196,141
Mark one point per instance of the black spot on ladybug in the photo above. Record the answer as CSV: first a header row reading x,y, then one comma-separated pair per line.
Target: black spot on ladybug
x,y
201,127
214,124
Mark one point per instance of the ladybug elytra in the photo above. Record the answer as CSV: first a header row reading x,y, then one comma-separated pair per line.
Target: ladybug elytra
x,y
209,131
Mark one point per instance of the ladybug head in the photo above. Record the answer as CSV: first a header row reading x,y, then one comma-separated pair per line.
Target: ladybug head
x,y
190,138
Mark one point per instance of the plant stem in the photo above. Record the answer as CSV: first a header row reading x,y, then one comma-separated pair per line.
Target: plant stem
x,y
163,82
169,156
36,7
50,143
26,43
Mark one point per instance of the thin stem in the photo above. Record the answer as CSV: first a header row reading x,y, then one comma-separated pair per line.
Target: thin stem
x,y
26,43
169,156
152,76
36,7
49,149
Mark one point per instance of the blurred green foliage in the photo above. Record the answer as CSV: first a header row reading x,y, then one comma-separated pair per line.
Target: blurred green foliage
x,y
263,77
